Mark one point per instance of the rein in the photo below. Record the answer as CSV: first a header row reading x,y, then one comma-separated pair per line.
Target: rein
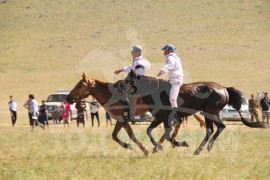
x,y
86,92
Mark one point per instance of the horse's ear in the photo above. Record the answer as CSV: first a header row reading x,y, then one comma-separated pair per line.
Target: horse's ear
x,y
83,75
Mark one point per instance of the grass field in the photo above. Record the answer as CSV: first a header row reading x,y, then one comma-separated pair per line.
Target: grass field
x,y
90,153
45,45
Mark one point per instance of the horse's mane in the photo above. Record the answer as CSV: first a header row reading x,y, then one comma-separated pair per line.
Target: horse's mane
x,y
102,82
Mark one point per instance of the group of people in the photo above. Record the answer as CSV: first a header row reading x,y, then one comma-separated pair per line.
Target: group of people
x,y
175,74
38,115
261,102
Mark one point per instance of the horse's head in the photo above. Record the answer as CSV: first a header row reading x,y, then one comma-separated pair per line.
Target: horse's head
x,y
81,90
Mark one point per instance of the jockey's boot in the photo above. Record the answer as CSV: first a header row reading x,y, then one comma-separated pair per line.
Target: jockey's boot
x,y
173,117
126,115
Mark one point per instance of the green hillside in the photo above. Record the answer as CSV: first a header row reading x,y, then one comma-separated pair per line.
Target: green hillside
x,y
44,45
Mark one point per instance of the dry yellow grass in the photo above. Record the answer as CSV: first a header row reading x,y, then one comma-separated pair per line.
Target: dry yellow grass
x,y
90,153
44,45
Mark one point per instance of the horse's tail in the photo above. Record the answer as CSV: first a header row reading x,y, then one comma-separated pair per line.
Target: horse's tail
x,y
236,99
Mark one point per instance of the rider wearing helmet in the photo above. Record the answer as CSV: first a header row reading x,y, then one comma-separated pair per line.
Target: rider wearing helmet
x,y
175,73
139,65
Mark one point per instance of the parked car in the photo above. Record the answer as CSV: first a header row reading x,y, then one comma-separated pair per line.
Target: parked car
x,y
230,114
56,98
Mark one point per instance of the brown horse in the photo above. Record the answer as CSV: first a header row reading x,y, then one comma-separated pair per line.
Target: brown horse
x,y
207,97
108,96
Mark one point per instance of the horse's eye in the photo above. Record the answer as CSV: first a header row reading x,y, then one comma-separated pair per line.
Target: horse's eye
x,y
79,86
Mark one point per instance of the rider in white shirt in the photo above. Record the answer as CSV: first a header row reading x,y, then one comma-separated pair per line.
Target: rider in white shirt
x,y
139,65
175,73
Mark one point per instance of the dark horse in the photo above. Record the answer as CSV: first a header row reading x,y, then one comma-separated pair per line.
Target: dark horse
x,y
206,97
109,97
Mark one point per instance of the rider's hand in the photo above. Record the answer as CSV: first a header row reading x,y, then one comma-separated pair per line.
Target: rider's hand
x,y
117,71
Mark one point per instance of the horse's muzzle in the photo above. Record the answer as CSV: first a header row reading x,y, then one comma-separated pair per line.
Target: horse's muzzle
x,y
69,99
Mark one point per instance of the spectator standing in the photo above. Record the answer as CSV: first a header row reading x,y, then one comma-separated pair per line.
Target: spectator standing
x,y
265,103
94,107
56,114
259,96
80,106
27,105
253,108
108,118
66,115
43,115
34,112
13,110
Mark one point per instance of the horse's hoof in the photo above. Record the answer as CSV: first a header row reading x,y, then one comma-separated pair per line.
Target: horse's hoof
x,y
185,144
209,147
145,150
129,147
155,150
159,146
173,146
197,152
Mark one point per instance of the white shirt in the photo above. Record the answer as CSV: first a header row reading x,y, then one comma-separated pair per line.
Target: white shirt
x,y
34,107
94,106
138,61
12,105
173,66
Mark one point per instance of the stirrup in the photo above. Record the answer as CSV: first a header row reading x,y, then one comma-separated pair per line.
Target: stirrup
x,y
174,122
143,118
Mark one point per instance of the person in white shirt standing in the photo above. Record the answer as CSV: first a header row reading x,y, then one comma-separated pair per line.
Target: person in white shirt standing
x,y
13,110
175,73
139,65
34,112
94,107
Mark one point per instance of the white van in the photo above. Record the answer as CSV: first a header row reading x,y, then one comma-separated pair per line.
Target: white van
x,y
56,98
230,114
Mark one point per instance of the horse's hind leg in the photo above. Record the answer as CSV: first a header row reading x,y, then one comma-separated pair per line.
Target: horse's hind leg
x,y
153,125
117,128
220,127
209,132
173,138
200,119
132,136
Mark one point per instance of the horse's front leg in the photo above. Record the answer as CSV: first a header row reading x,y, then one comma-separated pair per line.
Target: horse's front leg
x,y
133,138
117,128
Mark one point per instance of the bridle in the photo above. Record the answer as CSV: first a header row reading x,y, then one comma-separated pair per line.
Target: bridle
x,y
86,92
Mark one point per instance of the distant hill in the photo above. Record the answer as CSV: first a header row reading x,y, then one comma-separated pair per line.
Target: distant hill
x,y
45,44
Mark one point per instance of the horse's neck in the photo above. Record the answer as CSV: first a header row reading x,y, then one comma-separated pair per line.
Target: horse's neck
x,y
101,92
